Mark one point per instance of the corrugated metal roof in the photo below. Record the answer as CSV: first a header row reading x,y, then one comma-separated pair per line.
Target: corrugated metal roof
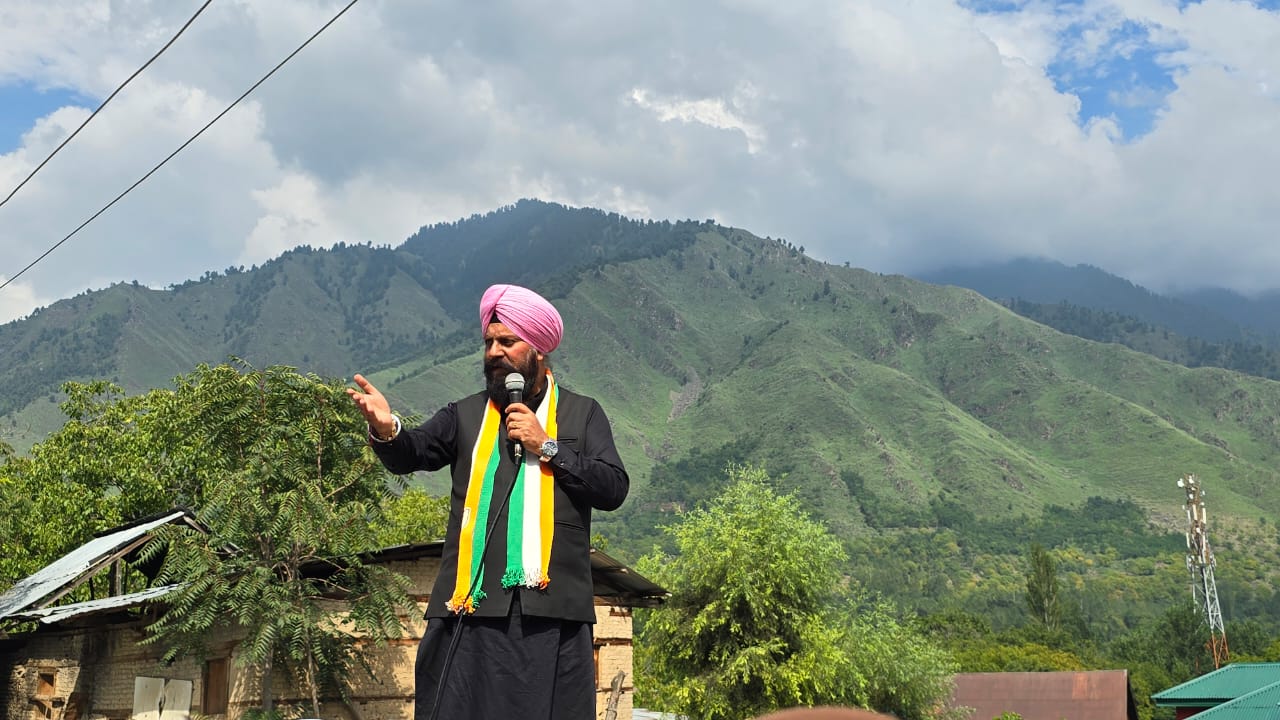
x,y
26,599
1226,683
1084,695
29,592
66,612
610,578
1261,704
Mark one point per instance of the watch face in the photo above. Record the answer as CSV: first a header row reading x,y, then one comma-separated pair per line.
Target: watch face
x,y
549,448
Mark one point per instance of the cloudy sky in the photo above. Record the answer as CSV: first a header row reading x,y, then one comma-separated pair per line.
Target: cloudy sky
x,y
1141,136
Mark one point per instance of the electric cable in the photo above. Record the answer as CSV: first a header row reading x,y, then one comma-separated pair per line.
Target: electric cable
x,y
181,147
115,92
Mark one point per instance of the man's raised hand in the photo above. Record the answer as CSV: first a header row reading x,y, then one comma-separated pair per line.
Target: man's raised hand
x,y
374,406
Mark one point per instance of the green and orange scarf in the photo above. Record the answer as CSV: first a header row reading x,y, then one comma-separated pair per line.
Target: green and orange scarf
x,y
530,518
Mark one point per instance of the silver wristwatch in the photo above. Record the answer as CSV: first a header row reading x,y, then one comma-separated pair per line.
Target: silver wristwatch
x,y
548,450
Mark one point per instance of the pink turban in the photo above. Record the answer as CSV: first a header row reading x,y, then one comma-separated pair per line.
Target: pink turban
x,y
526,313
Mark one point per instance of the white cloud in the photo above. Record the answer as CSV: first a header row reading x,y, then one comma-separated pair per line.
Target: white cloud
x,y
897,136
295,215
711,112
18,299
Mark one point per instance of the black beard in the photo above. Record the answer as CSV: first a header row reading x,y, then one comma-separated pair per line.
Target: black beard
x,y
495,379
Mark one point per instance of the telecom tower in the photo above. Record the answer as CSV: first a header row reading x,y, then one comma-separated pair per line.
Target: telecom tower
x,y
1200,562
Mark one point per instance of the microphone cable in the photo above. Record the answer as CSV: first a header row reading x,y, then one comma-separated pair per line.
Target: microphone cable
x,y
457,631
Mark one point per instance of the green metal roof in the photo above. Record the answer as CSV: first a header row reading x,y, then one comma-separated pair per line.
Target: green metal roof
x,y
1263,704
1222,685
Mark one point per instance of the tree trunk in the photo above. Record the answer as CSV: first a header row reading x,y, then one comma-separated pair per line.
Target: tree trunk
x,y
311,681
267,699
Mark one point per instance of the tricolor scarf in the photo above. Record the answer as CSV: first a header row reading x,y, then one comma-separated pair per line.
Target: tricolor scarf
x,y
530,518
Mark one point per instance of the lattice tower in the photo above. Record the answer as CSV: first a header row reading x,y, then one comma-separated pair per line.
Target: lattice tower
x,y
1200,563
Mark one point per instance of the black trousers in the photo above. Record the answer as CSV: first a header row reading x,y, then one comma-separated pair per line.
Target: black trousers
x,y
525,667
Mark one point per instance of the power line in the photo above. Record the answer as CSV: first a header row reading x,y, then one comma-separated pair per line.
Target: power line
x,y
94,114
183,146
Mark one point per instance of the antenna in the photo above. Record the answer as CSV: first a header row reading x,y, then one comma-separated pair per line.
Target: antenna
x,y
1200,563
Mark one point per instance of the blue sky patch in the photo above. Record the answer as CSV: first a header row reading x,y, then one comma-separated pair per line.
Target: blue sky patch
x,y
22,104
1128,78
1125,77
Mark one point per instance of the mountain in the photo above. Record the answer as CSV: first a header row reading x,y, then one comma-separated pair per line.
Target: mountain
x,y
1135,334
331,311
1261,313
1218,316
930,427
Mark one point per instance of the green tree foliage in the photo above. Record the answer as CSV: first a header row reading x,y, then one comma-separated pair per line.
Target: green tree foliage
x,y
1000,656
117,458
1162,652
275,466
903,672
976,648
1177,640
1043,590
1106,326
415,516
758,619
289,495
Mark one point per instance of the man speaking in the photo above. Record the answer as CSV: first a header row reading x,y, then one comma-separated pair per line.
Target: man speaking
x,y
509,619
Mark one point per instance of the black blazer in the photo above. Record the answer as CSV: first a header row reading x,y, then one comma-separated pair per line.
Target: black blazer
x,y
588,473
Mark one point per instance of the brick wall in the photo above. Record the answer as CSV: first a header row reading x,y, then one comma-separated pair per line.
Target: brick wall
x,y
92,672
95,668
612,636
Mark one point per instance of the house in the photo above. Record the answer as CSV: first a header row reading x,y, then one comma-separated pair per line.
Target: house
x,y
1239,691
1076,695
85,661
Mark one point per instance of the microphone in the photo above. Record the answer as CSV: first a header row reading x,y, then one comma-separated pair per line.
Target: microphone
x,y
515,394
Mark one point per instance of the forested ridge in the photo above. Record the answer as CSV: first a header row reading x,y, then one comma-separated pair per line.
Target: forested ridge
x,y
1251,358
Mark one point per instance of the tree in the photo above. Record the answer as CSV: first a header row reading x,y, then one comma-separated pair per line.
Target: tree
x,y
903,672
759,619
1042,588
273,463
414,517
1162,652
977,648
289,495
117,458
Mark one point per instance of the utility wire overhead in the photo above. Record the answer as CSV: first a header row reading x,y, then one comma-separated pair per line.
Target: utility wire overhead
x,y
115,92
181,147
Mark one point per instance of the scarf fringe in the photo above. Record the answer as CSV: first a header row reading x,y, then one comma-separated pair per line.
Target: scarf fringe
x,y
515,577
458,605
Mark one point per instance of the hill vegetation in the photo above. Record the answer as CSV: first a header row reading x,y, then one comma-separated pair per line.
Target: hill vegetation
x,y
935,432
1134,333
1219,317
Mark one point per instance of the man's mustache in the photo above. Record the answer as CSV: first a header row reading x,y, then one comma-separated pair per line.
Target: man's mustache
x,y
493,365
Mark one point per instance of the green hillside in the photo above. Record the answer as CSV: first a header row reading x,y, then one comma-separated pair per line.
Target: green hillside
x,y
1048,282
1134,333
935,431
